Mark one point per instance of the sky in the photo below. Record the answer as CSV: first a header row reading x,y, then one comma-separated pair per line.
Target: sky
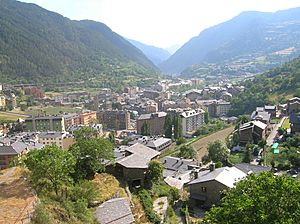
x,y
161,23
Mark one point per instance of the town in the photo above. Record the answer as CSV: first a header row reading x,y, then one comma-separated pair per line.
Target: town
x,y
201,149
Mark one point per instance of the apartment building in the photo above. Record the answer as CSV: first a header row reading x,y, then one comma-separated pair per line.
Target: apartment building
x,y
155,122
191,121
114,119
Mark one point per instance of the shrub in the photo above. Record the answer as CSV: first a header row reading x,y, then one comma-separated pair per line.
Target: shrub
x,y
147,203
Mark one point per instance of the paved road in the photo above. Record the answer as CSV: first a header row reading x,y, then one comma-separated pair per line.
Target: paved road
x,y
272,135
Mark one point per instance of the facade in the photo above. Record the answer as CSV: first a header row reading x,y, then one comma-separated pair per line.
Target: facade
x,y
293,105
60,139
219,108
88,117
46,123
191,121
295,123
2,102
155,122
252,131
114,119
193,94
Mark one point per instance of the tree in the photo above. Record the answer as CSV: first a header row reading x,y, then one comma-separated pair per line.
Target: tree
x,y
91,154
218,152
112,137
168,126
85,133
155,171
177,127
187,152
50,168
206,117
261,199
145,129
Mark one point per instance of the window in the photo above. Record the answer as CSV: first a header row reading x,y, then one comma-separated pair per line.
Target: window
x,y
203,189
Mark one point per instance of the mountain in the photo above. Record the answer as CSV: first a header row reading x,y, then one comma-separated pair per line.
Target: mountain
x,y
155,54
272,87
173,48
251,37
40,46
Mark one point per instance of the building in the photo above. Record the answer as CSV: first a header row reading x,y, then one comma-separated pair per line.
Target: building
x,y
114,119
156,143
34,91
150,94
193,94
191,121
252,131
46,123
295,123
293,105
61,139
88,117
132,163
15,150
177,171
219,108
155,122
2,102
116,210
71,120
206,189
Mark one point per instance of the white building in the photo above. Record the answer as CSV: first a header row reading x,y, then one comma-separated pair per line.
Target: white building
x,y
191,121
62,139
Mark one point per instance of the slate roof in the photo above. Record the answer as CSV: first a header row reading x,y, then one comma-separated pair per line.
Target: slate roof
x,y
140,156
158,142
251,168
295,118
177,164
227,176
18,147
263,114
115,211
148,116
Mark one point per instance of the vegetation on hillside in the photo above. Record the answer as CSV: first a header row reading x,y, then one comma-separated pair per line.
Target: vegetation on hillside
x,y
269,88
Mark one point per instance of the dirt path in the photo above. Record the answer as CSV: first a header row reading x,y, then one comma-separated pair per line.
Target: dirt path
x,y
201,145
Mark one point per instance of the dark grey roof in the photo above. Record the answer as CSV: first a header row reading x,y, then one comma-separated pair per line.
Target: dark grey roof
x,y
261,114
295,118
115,211
50,134
251,168
177,164
8,150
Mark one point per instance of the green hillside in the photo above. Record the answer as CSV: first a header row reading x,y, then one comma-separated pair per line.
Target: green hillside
x,y
272,87
39,46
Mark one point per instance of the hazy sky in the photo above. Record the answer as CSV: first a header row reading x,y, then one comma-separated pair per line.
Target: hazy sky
x,y
160,23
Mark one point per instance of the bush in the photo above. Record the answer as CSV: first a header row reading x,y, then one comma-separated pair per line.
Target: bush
x,y
180,141
41,215
219,164
147,203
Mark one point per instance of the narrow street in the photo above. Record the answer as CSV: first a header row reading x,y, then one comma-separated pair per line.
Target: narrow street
x,y
273,133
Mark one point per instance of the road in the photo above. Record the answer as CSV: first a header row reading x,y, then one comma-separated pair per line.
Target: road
x,y
272,135
202,144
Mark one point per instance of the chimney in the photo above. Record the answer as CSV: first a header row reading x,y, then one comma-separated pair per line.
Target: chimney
x,y
212,167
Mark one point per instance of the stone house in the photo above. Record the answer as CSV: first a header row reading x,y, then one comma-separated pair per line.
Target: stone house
x,y
132,163
206,190
252,131
295,123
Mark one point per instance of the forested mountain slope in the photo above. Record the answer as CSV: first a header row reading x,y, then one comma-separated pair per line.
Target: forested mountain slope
x,y
37,45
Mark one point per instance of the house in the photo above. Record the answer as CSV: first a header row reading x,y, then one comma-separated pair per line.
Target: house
x,y
295,123
115,211
218,108
252,131
114,119
206,189
132,163
261,115
271,109
193,94
177,171
10,151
